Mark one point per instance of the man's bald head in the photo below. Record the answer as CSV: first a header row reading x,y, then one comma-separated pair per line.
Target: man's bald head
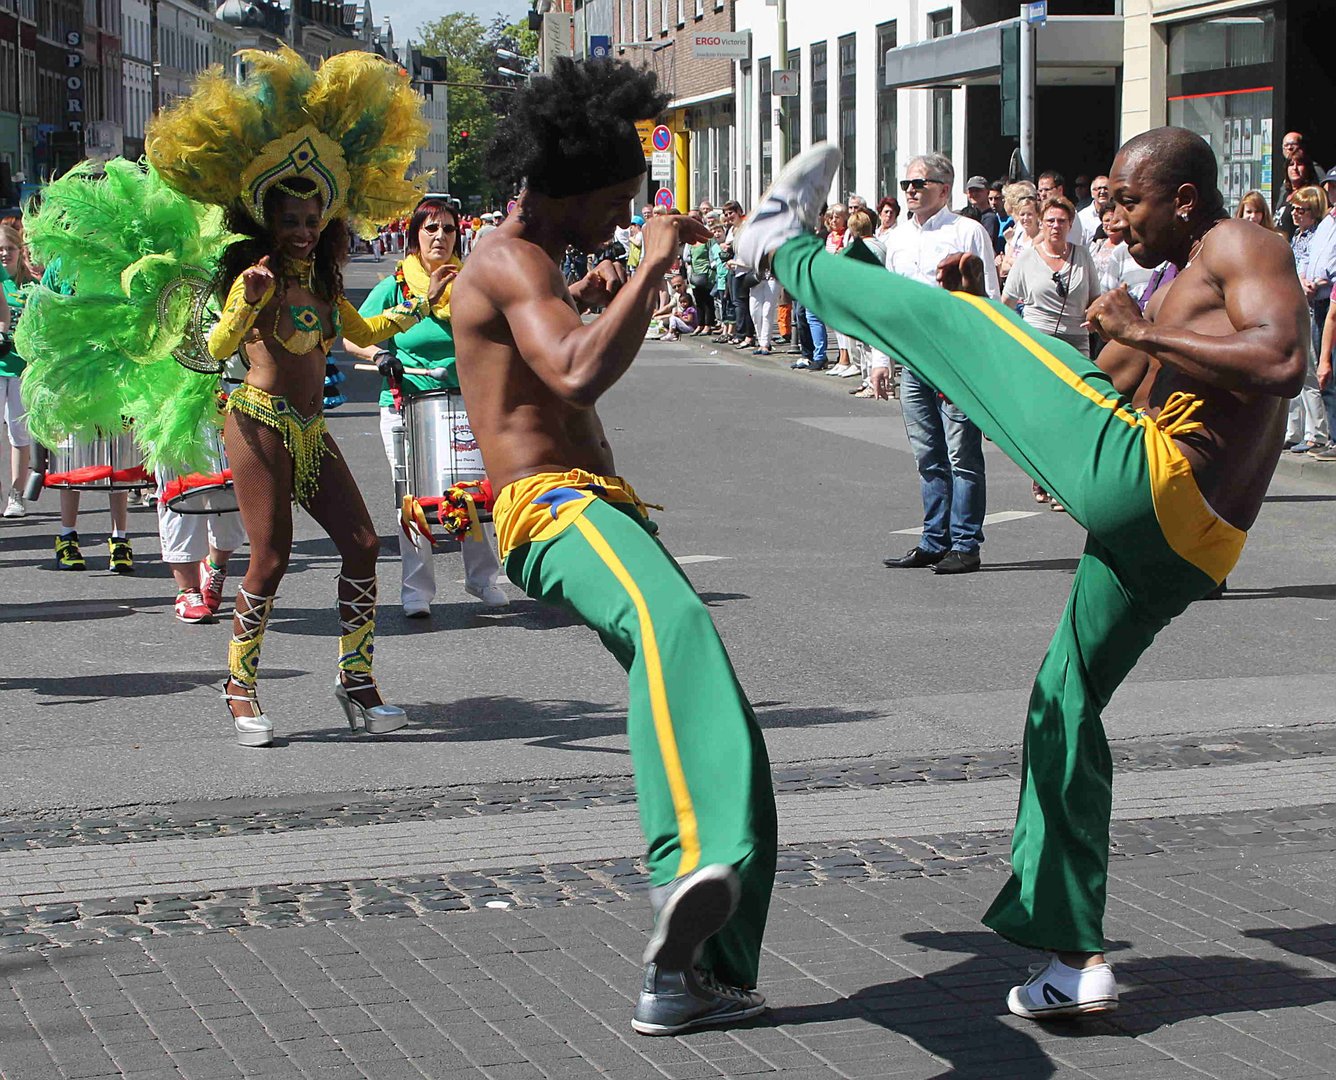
x,y
1166,158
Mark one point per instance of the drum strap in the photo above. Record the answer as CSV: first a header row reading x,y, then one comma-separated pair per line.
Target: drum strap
x,y
243,653
357,623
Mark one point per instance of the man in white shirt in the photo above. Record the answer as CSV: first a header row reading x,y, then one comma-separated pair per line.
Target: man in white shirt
x,y
947,447
1088,216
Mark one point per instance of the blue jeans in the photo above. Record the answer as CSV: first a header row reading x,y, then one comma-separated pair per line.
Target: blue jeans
x,y
818,330
948,450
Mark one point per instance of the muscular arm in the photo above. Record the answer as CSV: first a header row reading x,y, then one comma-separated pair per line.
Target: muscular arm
x,y
1267,353
577,362
1126,367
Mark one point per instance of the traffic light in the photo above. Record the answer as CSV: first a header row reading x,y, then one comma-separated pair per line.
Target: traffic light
x,y
464,139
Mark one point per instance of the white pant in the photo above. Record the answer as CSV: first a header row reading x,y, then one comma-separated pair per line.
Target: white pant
x,y
764,309
15,415
1308,415
481,566
186,538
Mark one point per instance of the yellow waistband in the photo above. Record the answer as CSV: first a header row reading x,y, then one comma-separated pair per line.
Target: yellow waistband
x,y
1195,532
540,506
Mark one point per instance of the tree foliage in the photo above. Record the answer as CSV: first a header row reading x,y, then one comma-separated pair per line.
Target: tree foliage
x,y
469,47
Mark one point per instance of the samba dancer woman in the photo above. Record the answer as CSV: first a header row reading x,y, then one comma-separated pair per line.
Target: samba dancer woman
x,y
433,245
284,308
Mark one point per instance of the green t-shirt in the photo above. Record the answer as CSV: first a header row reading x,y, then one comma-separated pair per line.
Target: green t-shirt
x,y
700,259
429,344
12,364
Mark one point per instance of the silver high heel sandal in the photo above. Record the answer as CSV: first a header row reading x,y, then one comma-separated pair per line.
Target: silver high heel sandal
x,y
257,730
373,719
357,632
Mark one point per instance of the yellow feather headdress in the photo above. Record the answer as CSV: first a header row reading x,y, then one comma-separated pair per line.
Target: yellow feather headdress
x,y
353,127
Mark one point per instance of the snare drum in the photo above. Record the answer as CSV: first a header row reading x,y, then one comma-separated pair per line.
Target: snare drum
x,y
439,448
206,492
107,462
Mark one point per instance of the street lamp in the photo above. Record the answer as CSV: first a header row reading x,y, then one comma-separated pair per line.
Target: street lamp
x,y
512,74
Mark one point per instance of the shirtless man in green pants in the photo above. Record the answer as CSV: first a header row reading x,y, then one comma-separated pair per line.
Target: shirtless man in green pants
x,y
1163,453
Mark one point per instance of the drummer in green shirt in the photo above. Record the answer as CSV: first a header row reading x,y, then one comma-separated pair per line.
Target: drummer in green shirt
x,y
433,241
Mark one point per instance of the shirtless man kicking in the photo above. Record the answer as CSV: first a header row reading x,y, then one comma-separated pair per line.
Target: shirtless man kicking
x,y
573,533
1163,456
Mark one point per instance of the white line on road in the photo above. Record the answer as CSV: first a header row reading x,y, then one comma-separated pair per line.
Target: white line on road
x,y
991,519
685,560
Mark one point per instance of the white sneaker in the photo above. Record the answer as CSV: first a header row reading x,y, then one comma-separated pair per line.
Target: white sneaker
x,y
792,206
491,595
852,370
839,371
14,507
1056,990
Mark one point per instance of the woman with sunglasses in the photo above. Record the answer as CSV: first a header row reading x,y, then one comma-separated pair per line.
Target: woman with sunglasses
x,y
433,244
1052,283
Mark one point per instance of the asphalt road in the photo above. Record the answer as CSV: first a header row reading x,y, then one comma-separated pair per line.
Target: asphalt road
x,y
782,496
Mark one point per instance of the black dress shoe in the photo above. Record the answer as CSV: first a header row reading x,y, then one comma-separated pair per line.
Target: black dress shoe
x,y
915,557
957,562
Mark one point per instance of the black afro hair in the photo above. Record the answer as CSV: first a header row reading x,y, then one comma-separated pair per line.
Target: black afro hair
x,y
581,116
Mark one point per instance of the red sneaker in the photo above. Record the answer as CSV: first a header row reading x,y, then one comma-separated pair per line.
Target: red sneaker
x,y
191,608
211,585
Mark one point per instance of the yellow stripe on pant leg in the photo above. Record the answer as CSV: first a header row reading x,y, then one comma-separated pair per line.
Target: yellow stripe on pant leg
x,y
1061,370
658,700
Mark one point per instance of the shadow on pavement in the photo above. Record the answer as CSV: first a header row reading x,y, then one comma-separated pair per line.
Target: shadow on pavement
x,y
90,689
969,1034
82,610
1035,564
1299,498
972,1035
1318,942
553,724
1282,592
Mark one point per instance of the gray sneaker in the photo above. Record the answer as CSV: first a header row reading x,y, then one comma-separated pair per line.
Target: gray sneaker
x,y
672,1002
688,912
791,207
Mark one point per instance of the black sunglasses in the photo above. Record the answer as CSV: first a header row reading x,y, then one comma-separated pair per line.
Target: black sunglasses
x,y
918,183
436,226
1061,285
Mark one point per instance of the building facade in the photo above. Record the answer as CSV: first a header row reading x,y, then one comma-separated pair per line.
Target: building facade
x,y
1240,74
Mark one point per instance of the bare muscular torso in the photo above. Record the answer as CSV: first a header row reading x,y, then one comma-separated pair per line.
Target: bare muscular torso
x,y
1230,329
521,425
1234,454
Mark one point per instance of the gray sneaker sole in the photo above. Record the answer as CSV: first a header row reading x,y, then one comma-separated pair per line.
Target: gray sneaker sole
x,y
711,1020
691,916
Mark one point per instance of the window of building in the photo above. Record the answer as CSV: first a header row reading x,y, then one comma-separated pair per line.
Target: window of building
x,y
941,122
939,23
1219,84
848,120
820,101
700,9
766,120
886,113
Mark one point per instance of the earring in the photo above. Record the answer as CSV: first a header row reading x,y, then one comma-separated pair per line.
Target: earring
x,y
1183,215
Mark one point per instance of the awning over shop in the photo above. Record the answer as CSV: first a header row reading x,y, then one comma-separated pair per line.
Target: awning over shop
x,y
1076,49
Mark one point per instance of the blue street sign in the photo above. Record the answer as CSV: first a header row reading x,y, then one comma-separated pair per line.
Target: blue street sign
x,y
1037,12
600,46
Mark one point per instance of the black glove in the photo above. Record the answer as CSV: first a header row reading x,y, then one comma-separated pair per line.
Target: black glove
x,y
389,365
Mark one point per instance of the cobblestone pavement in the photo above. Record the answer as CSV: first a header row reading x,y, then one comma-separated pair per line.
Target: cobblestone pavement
x,y
1222,933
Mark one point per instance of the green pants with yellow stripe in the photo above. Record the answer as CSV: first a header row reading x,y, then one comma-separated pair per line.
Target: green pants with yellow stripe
x,y
1154,546
701,772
